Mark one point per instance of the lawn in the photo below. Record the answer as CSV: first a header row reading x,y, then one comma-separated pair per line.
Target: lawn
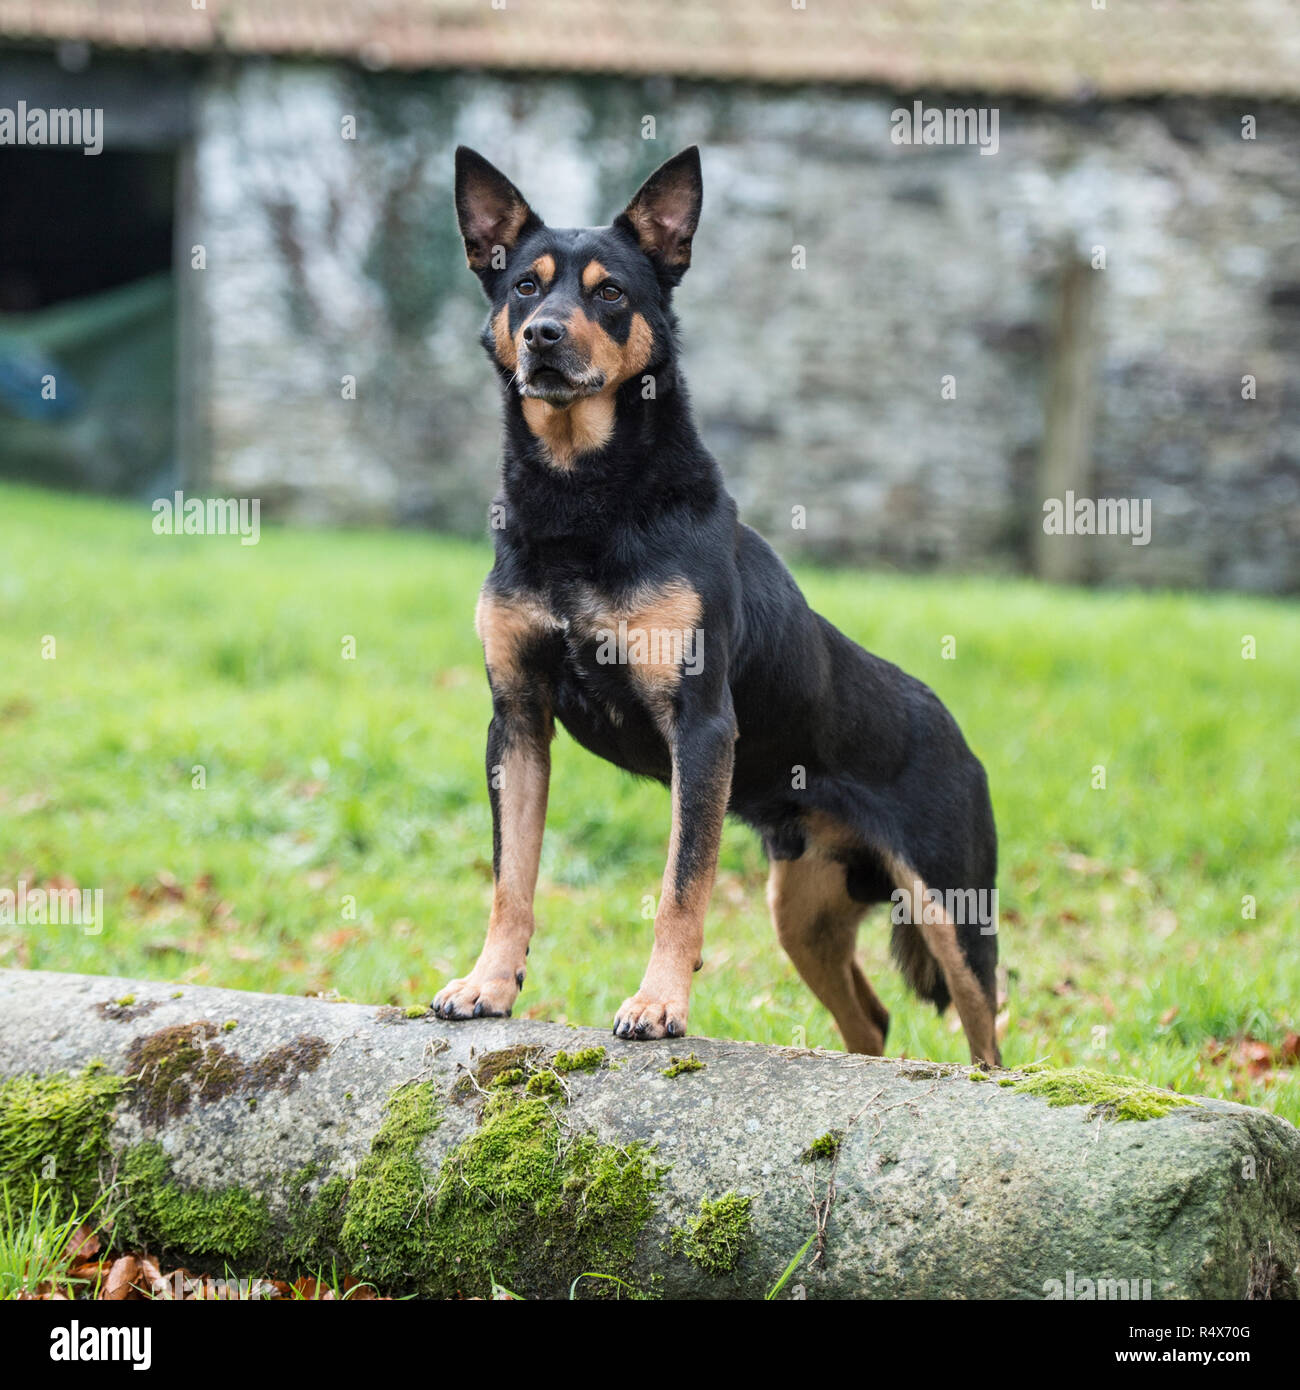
x,y
263,812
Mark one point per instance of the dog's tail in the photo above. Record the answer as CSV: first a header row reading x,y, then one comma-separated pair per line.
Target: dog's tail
x,y
918,967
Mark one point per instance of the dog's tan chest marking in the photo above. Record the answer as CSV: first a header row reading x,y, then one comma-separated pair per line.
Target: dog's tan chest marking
x,y
654,632
568,432
506,626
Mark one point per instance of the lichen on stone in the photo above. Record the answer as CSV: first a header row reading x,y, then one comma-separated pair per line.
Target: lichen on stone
x,y
178,1065
125,1008
175,1065
283,1065
716,1238
1111,1097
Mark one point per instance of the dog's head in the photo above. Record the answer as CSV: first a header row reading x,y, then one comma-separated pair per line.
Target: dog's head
x,y
577,311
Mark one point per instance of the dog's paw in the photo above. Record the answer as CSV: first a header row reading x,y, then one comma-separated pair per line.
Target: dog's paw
x,y
478,997
643,1017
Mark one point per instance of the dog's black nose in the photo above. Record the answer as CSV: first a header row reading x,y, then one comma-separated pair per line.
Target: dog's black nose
x,y
544,333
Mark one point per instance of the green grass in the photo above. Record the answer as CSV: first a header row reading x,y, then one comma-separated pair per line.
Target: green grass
x,y
34,1242
332,782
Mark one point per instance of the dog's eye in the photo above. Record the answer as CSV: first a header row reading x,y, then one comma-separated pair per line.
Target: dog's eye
x,y
610,293
526,288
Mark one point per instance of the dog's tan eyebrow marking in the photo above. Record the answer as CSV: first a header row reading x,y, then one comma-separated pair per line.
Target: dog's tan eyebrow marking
x,y
593,274
544,268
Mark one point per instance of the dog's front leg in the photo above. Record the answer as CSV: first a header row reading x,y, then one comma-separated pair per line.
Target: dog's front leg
x,y
703,749
519,773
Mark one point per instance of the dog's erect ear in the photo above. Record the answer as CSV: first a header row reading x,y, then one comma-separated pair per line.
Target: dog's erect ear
x,y
666,211
491,210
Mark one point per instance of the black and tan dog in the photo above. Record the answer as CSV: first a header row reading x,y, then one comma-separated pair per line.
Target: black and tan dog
x,y
628,602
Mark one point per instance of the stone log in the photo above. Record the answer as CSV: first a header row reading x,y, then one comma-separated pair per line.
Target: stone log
x,y
263,1133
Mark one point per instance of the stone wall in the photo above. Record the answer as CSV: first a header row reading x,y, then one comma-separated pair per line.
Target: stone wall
x,y
817,388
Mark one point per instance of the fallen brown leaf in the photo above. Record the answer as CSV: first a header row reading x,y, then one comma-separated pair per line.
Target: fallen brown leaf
x,y
153,1278
82,1244
120,1278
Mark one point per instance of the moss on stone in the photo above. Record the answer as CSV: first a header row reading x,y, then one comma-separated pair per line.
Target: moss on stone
x,y
545,1083
228,1222
384,1227
678,1065
1114,1097
527,1199
416,1011
520,1057
585,1059
314,1238
715,1239
54,1129
521,1200
825,1147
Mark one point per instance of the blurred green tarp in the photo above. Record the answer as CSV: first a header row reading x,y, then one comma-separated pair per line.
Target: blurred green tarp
x,y
87,390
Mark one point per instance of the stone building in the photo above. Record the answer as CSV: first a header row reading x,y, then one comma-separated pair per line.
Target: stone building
x,y
898,351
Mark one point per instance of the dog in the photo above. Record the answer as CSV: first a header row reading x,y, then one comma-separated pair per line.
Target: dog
x,y
627,601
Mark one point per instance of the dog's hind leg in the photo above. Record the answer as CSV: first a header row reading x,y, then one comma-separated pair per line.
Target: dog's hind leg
x,y
961,956
817,923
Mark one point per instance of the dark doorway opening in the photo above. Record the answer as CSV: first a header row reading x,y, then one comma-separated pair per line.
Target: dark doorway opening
x,y
72,224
